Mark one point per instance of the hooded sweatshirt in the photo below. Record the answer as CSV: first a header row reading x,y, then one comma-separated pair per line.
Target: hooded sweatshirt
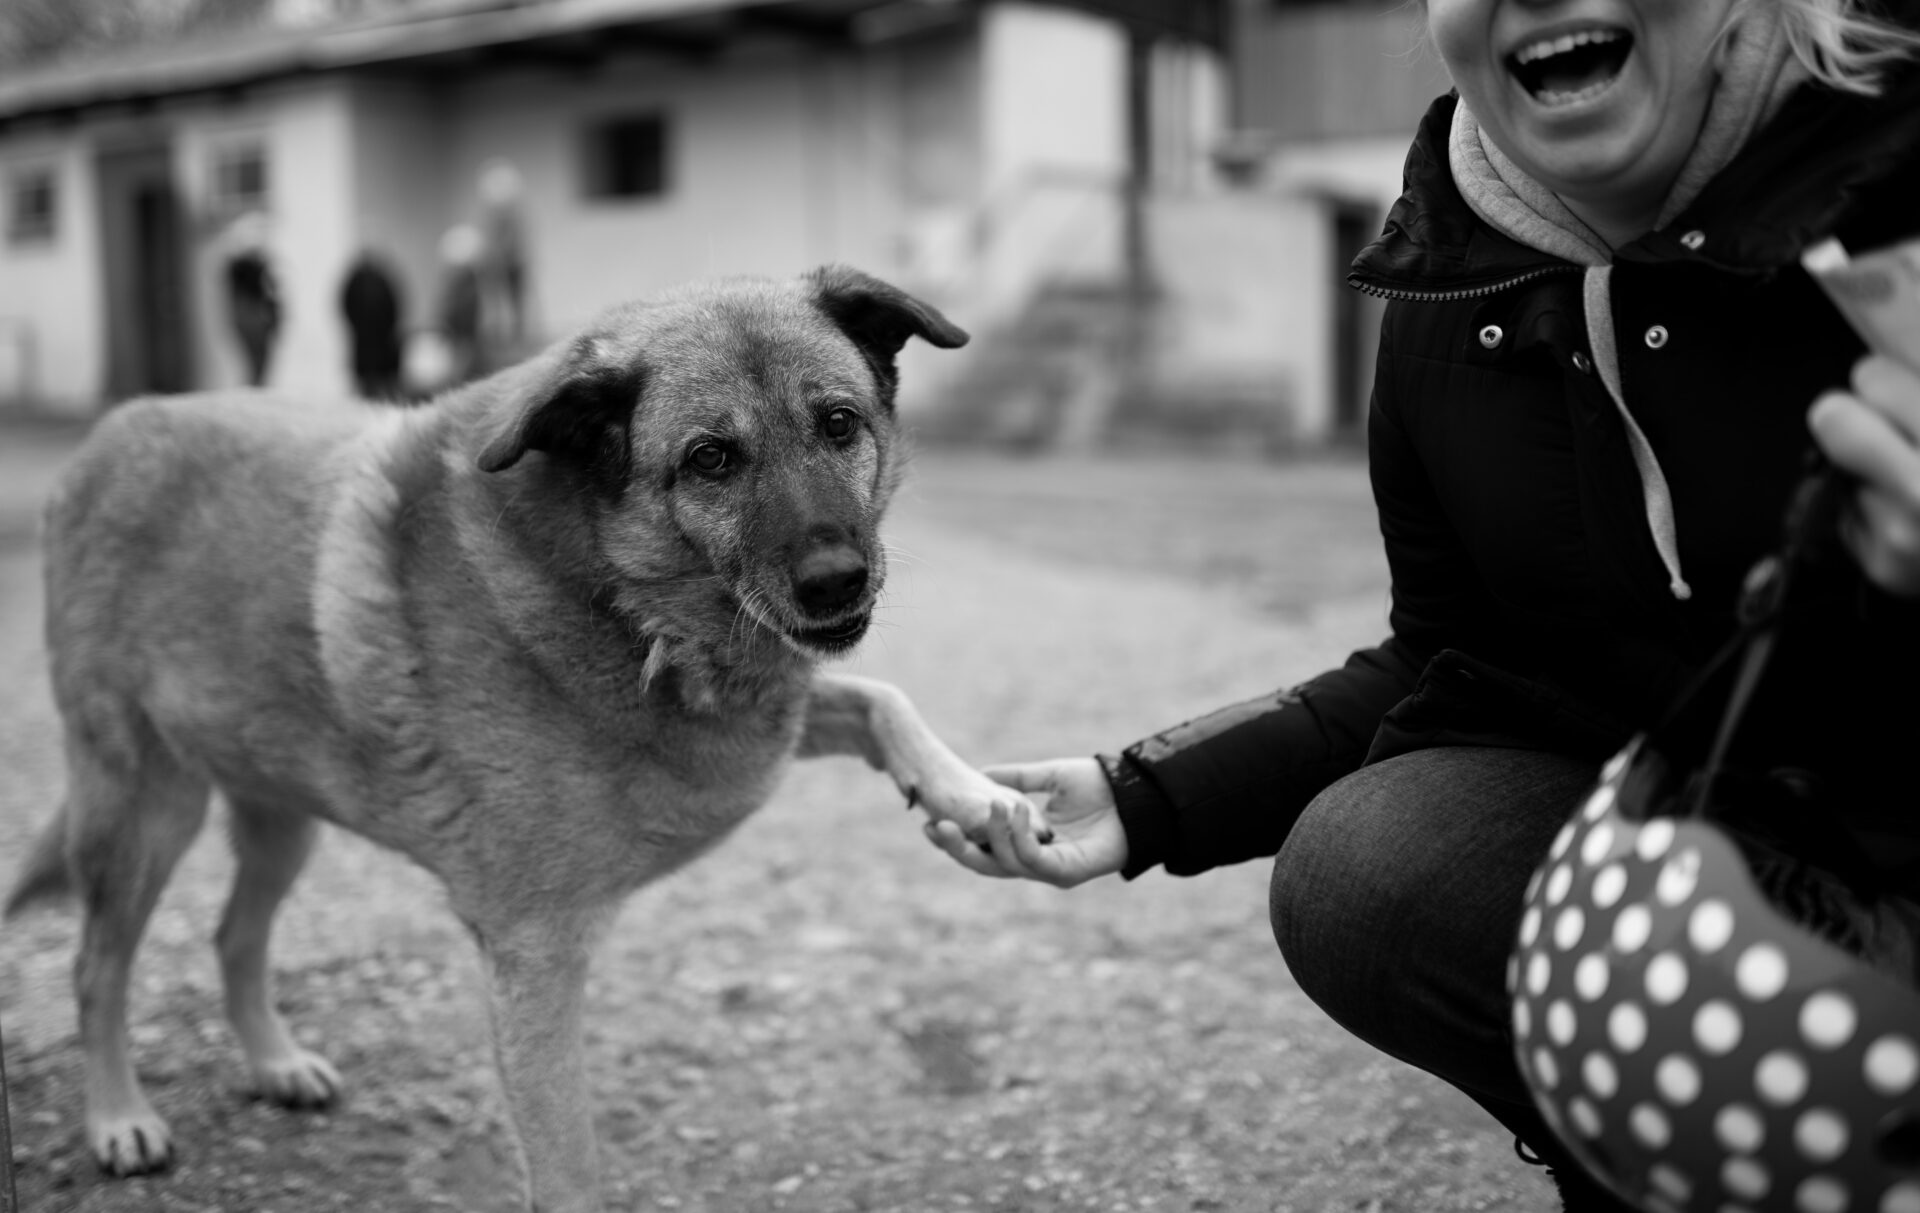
x,y
1757,70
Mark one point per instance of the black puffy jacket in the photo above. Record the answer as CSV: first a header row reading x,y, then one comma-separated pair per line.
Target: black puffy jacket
x,y
1530,606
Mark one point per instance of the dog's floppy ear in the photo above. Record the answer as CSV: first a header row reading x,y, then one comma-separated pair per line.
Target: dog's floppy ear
x,y
572,408
879,318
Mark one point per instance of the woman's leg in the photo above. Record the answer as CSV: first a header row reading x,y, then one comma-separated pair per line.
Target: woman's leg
x,y
1395,902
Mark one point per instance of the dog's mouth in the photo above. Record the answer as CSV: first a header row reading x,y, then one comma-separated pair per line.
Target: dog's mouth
x,y
1572,67
833,638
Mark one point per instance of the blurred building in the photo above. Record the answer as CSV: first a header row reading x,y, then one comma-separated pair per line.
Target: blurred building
x,y
1143,209
1326,97
975,151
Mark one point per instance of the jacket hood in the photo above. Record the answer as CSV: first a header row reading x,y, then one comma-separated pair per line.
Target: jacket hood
x,y
1795,183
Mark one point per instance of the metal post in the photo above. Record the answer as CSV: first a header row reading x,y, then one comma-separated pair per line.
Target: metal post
x,y
9,1202
1135,256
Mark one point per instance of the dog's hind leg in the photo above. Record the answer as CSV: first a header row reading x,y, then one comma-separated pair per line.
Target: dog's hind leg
x,y
537,976
270,848
129,823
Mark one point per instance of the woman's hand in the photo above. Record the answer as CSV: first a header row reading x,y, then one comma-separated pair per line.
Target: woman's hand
x,y
1874,433
1088,840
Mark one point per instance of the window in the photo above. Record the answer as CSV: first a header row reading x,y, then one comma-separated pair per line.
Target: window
x,y
32,203
626,157
239,183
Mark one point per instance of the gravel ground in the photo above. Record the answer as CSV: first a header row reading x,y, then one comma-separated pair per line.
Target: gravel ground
x,y
825,1014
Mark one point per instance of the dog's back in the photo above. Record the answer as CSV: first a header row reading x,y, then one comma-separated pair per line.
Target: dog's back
x,y
178,545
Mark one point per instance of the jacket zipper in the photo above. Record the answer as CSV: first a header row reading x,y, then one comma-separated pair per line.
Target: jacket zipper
x,y
1395,293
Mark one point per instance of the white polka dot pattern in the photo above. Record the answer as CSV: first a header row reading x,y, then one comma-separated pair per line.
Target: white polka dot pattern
x,y
1761,972
1590,979
1781,1078
1827,1020
1608,885
1892,1065
1739,1128
1698,1051
1901,1198
1710,927
1666,978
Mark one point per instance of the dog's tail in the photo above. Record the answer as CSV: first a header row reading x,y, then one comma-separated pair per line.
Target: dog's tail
x,y
45,876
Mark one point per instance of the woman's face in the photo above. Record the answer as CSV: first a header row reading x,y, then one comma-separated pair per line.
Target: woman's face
x,y
1598,100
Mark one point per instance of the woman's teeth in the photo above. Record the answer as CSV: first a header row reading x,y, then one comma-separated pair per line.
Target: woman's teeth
x,y
1572,67
1548,47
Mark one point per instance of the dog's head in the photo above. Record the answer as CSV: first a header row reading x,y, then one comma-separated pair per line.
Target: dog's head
x,y
736,440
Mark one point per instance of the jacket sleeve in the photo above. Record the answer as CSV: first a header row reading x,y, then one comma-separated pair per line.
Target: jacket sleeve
x,y
1228,786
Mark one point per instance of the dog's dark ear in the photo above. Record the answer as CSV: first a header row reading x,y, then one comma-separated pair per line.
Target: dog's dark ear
x,y
579,407
879,318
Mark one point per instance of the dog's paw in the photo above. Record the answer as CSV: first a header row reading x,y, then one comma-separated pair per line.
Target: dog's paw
x,y
134,1142
299,1079
967,798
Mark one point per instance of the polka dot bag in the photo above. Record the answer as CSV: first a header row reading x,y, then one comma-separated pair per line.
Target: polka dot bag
x,y
1694,1046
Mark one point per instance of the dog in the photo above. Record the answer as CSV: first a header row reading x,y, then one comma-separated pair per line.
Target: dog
x,y
552,635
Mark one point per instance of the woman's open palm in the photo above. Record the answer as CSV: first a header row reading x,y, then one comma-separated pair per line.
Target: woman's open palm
x,y
1087,837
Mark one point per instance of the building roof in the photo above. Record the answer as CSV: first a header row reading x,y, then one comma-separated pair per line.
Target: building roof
x,y
463,32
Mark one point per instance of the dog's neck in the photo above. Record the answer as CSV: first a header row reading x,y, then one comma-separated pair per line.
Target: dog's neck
x,y
674,639
684,663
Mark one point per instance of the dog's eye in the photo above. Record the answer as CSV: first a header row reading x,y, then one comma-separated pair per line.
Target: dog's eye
x,y
840,423
708,457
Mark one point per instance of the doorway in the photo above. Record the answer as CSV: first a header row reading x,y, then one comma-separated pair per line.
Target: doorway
x,y
143,253
1356,319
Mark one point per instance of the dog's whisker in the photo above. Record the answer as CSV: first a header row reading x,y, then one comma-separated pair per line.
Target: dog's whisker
x,y
761,616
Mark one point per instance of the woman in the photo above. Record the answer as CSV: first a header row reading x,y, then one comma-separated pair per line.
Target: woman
x,y
1596,378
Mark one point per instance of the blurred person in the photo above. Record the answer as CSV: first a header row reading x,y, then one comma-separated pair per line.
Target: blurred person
x,y
459,334
253,294
1598,369
502,267
370,303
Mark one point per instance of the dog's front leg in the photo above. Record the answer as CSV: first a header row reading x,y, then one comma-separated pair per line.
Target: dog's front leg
x,y
537,974
875,720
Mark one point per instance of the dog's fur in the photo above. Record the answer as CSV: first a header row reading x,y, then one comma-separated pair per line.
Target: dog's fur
x,y
550,636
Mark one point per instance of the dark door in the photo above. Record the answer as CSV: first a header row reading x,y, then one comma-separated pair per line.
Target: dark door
x,y
1356,319
143,251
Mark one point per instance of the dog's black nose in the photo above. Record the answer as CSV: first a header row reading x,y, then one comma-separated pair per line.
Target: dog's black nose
x,y
826,580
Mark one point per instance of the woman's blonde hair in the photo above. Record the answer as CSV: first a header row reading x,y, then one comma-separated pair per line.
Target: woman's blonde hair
x,y
1842,47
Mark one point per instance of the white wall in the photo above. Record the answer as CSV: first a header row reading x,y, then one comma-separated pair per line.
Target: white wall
x,y
1053,94
775,164
305,128
402,186
1360,169
52,339
1053,101
312,167
1190,116
1248,309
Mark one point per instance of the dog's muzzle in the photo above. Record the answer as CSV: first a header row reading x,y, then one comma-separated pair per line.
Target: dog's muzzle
x,y
837,638
827,583
829,579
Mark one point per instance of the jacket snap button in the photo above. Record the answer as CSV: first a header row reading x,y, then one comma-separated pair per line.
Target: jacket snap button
x,y
1580,362
1491,335
1656,336
1694,239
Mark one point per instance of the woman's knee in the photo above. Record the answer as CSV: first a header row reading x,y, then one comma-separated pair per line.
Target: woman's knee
x,y
1398,892
1428,840
1332,883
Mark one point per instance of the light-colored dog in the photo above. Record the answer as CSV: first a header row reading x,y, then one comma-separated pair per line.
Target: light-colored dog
x,y
551,636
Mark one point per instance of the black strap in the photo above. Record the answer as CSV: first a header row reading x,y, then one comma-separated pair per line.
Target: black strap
x,y
1771,591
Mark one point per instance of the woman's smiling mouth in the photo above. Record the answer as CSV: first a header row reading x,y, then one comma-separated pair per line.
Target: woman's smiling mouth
x,y
1573,67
